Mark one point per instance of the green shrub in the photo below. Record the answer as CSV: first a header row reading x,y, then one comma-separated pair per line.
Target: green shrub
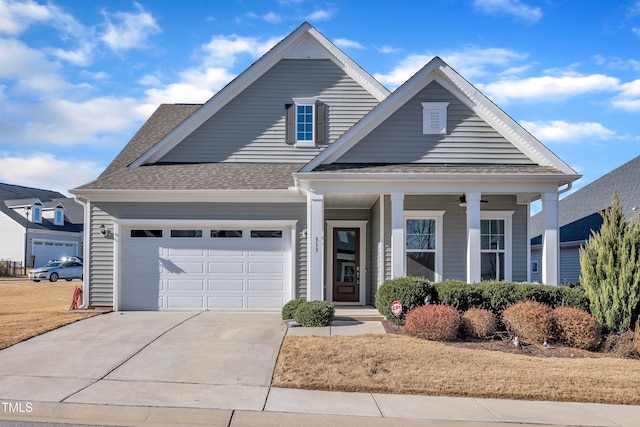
x,y
315,313
479,323
497,295
530,321
576,328
290,308
410,291
435,322
610,268
458,294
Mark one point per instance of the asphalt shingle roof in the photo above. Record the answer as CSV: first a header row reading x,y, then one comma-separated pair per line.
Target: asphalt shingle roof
x,y
579,211
436,169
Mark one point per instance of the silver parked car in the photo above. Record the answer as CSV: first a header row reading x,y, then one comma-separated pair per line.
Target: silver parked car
x,y
55,270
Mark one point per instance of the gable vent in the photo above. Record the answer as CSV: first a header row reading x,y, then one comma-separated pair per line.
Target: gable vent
x,y
434,118
306,49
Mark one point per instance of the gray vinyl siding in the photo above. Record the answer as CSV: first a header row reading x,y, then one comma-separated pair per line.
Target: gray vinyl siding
x,y
469,139
251,127
101,259
102,250
569,264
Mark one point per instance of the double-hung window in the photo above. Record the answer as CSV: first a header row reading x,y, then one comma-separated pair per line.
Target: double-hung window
x,y
495,245
423,244
305,112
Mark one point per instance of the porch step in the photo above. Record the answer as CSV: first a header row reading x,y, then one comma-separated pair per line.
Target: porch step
x,y
363,313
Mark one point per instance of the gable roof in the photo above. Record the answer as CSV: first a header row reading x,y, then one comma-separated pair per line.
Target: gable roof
x,y
438,70
579,211
303,43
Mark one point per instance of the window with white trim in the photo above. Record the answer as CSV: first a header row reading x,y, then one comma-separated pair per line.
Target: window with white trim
x,y
423,244
495,245
434,118
36,213
58,216
305,111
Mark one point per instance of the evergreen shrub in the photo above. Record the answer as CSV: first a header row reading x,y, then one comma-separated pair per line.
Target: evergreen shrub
x,y
411,292
315,313
290,308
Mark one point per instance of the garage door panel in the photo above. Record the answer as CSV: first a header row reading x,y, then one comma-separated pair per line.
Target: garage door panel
x,y
265,285
226,267
266,268
204,273
185,285
226,284
186,252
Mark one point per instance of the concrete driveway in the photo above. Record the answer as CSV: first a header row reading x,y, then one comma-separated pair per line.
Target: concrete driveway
x,y
173,359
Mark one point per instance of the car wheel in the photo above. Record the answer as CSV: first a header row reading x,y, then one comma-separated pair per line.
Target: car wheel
x,y
36,280
68,280
54,277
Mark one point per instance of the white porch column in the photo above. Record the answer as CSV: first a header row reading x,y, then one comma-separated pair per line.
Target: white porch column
x,y
315,246
473,238
397,235
550,239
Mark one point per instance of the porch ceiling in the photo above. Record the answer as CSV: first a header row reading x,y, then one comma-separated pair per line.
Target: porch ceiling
x,y
349,200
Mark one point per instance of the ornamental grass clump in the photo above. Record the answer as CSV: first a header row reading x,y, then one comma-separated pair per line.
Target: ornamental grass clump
x,y
434,322
479,323
577,328
530,321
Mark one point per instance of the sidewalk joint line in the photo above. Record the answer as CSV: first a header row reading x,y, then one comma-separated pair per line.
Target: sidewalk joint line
x,y
377,405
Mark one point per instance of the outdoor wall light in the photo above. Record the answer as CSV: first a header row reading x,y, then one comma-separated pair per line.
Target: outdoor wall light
x,y
103,230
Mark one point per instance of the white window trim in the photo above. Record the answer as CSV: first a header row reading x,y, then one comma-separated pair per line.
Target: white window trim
x,y
438,217
429,108
305,102
507,216
36,207
55,216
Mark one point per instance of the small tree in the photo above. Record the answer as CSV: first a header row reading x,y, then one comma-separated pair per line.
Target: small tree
x,y
610,267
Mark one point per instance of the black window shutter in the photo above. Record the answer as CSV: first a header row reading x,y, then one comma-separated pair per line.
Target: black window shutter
x,y
290,124
321,123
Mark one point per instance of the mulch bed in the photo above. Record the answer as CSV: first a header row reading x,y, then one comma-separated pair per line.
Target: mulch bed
x,y
503,343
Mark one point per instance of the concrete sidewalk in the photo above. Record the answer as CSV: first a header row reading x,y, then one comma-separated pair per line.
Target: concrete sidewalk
x,y
190,369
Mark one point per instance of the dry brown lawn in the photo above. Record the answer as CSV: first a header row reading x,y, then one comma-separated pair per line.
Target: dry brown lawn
x,y
401,364
28,309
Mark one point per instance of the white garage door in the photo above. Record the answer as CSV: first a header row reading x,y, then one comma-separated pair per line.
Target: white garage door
x,y
204,268
47,250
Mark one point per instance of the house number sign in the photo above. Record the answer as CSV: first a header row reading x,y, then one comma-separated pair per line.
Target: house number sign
x,y
317,244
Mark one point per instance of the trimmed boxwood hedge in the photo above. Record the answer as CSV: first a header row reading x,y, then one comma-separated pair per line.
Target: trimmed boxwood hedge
x,y
410,291
497,295
314,313
290,308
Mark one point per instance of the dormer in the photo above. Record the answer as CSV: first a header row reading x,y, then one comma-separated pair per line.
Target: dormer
x,y
36,212
58,215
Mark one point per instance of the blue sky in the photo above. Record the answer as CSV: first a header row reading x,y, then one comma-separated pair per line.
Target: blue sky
x,y
78,78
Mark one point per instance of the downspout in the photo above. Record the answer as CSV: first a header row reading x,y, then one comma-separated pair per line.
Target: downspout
x,y
569,185
86,243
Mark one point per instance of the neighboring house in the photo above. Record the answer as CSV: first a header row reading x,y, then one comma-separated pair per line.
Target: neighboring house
x,y
52,230
305,178
580,215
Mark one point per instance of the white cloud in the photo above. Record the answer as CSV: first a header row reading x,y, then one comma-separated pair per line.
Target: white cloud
x,y
548,87
272,18
561,131
319,15
44,170
388,49
471,63
629,97
223,51
16,16
129,30
509,7
348,44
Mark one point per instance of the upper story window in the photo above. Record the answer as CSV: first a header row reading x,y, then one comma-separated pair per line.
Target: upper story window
x,y
58,215
434,118
36,213
305,123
